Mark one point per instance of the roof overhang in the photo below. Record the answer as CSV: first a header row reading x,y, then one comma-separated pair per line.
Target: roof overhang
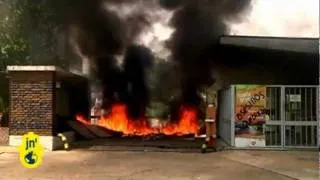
x,y
299,45
33,68
60,72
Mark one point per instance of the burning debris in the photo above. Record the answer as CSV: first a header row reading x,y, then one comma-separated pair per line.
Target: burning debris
x,y
142,32
119,121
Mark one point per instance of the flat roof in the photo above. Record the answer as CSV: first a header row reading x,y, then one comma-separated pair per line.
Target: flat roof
x,y
34,68
302,45
40,68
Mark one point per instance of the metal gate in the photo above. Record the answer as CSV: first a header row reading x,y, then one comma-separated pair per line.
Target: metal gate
x,y
225,112
293,116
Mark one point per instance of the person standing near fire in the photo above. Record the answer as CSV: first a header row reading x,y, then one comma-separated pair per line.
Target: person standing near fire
x,y
210,124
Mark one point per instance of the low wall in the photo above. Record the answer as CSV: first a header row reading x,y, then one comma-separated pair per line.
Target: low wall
x,y
49,143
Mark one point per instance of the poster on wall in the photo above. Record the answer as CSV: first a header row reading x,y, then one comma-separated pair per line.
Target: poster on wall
x,y
250,115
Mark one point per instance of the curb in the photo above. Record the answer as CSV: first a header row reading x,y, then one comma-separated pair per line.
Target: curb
x,y
8,149
269,149
12,149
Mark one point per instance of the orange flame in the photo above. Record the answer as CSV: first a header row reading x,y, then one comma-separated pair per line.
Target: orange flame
x,y
187,124
118,120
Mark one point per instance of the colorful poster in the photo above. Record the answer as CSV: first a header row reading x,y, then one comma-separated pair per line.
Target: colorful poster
x,y
250,115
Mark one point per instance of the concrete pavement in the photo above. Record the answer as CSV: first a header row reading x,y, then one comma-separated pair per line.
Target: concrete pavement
x,y
84,164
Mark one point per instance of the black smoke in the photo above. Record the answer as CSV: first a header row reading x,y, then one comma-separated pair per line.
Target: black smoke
x,y
198,25
136,61
97,31
101,35
127,84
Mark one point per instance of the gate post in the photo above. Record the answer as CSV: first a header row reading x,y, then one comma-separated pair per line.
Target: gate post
x,y
317,116
233,111
282,114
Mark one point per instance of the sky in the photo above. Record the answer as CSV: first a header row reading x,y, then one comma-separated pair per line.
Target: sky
x,y
289,18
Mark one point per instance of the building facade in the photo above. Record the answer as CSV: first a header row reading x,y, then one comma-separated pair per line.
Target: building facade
x,y
273,99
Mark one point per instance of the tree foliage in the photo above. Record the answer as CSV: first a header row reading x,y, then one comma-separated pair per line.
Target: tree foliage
x,y
13,47
29,31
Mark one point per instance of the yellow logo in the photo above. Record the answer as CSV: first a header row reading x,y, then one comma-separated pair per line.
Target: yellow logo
x,y
31,150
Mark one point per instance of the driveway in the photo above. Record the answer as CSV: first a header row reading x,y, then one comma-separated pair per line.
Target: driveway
x,y
115,165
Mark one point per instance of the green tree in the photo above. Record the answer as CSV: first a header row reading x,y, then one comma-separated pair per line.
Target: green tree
x,y
30,32
14,47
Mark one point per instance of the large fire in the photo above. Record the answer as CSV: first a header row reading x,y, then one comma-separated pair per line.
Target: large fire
x,y
119,121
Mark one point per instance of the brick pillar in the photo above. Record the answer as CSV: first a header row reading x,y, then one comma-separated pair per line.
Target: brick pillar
x,y
4,135
31,102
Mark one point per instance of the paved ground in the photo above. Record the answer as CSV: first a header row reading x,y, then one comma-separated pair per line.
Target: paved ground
x,y
111,165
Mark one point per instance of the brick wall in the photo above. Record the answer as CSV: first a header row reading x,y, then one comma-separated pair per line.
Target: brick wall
x,y
4,135
31,102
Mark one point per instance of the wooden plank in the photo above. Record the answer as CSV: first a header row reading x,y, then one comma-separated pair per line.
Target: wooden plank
x,y
99,131
81,129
